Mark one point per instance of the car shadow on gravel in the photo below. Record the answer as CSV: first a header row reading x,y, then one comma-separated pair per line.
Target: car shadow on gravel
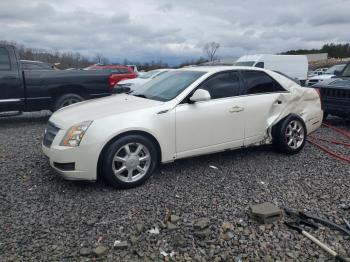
x,y
31,117
167,173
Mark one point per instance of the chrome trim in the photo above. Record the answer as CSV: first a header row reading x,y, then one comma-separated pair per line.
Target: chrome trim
x,y
9,100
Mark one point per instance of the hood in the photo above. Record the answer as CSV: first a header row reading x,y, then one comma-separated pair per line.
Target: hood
x,y
335,83
99,108
321,77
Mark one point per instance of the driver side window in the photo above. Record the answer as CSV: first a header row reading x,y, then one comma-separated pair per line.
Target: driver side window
x,y
4,60
222,85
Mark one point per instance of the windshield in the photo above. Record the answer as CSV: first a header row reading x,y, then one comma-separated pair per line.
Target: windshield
x,y
149,74
346,72
247,63
332,69
168,86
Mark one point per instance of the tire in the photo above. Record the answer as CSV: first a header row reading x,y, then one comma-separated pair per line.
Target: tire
x,y
122,169
66,100
290,135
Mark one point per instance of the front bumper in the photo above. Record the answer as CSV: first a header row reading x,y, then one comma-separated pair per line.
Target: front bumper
x,y
81,160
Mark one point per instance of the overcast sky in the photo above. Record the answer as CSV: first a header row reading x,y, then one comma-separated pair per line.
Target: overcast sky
x,y
174,30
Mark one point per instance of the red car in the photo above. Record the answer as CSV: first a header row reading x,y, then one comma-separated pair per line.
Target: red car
x,y
118,72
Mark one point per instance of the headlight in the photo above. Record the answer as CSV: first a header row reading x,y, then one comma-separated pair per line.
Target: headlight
x,y
75,134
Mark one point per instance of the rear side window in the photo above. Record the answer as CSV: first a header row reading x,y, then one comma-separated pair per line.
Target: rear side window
x,y
260,64
222,85
123,71
256,82
4,59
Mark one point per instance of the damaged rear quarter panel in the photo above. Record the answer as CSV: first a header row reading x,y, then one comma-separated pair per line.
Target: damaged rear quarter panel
x,y
301,101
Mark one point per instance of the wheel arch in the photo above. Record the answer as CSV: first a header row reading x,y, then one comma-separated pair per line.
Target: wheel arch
x,y
276,126
123,134
67,89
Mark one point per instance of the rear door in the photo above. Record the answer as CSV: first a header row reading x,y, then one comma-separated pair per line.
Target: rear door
x,y
11,88
263,99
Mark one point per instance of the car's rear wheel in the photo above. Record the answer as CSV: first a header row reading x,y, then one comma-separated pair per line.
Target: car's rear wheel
x,y
66,100
129,161
290,135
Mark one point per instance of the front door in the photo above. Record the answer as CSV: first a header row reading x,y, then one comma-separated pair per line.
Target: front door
x,y
11,89
213,125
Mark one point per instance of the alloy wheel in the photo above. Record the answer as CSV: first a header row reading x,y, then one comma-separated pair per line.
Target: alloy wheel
x,y
295,134
131,162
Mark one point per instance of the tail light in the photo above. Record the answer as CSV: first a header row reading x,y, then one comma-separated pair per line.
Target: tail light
x,y
112,81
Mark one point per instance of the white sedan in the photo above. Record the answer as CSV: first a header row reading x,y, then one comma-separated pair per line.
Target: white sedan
x,y
182,113
134,83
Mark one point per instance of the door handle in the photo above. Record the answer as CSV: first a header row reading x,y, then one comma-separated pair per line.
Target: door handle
x,y
236,109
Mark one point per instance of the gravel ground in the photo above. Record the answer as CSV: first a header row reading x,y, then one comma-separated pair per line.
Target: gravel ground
x,y
45,218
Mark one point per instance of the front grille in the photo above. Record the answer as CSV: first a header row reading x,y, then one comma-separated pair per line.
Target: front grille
x,y
50,134
335,92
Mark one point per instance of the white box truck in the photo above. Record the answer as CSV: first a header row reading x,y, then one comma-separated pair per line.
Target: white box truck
x,y
294,66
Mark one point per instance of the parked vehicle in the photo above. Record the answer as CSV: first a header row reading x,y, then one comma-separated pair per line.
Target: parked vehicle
x,y
182,113
335,93
36,65
317,72
133,84
34,90
294,66
118,72
327,75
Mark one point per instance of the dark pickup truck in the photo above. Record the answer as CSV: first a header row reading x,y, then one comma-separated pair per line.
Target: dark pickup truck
x,y
33,90
335,93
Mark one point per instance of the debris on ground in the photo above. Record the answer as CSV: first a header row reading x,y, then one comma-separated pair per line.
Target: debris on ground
x,y
100,250
85,251
120,244
154,230
265,212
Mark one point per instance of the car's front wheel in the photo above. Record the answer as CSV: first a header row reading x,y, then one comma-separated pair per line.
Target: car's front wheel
x,y
290,135
129,161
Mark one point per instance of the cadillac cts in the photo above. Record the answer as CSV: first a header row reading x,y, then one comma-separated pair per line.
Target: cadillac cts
x,y
183,113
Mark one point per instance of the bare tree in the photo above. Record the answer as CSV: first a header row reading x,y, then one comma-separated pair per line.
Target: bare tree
x,y
100,59
210,49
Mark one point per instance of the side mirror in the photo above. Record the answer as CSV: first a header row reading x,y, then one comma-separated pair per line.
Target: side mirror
x,y
200,95
337,73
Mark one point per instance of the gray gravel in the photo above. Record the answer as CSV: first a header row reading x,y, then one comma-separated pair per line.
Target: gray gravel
x,y
45,218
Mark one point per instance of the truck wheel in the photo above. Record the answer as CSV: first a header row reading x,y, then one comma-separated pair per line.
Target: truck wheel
x,y
129,161
290,135
66,100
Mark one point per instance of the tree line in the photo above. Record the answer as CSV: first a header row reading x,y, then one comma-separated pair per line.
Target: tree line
x,y
333,50
66,60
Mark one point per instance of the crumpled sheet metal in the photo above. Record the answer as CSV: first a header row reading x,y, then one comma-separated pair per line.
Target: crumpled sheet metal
x,y
301,101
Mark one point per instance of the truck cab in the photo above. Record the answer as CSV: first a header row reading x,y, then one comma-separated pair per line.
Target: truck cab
x,y
33,90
